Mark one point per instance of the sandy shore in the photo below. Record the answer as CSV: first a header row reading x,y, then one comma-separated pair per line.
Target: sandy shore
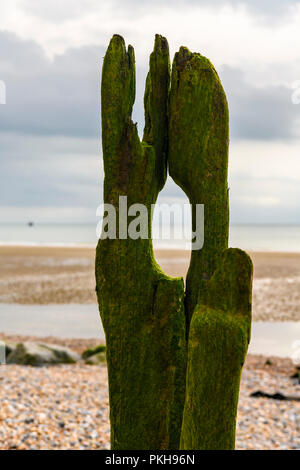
x,y
66,407
45,275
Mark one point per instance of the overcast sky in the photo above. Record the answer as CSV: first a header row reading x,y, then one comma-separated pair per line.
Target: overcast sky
x,y
50,60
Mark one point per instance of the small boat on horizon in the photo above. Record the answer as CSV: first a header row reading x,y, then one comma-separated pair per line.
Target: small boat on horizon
x,y
30,224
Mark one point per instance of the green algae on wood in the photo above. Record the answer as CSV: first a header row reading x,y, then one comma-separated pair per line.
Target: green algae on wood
x,y
146,315
198,159
141,308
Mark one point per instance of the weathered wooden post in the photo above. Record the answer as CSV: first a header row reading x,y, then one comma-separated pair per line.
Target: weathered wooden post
x,y
152,328
141,308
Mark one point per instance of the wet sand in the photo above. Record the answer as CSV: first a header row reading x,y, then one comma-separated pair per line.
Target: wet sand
x,y
55,275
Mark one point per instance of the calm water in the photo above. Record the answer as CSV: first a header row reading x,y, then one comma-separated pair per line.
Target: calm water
x,y
247,237
83,321
61,321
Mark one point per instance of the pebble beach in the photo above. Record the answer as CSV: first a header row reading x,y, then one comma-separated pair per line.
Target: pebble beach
x,y
66,407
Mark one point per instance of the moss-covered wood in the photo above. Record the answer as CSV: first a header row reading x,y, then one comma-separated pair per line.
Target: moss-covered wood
x,y
146,315
218,342
141,308
198,159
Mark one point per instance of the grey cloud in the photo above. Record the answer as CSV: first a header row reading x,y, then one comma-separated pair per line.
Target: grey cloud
x,y
267,7
57,11
50,128
50,171
59,97
63,11
262,9
259,112
62,97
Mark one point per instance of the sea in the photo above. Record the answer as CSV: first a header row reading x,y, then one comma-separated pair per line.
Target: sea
x,y
280,238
